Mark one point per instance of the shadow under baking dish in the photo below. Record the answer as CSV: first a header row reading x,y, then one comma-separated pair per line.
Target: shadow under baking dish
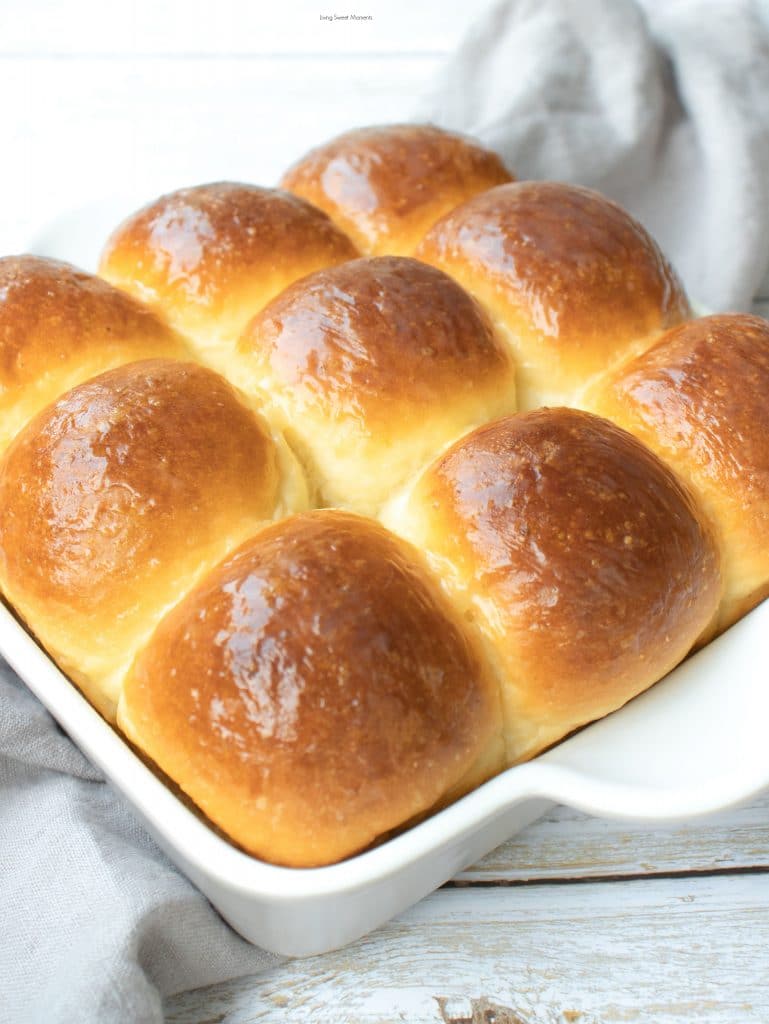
x,y
695,743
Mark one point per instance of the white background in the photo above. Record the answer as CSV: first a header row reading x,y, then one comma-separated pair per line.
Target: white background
x,y
133,99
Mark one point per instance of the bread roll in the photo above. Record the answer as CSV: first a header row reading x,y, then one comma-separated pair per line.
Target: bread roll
x,y
314,691
117,497
386,186
371,368
698,399
211,257
59,326
317,682
586,566
571,281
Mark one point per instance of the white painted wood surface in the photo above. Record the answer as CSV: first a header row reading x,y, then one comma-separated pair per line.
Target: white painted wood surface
x,y
575,919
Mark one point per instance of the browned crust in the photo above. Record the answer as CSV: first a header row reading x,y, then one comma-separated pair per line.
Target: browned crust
x,y
313,692
124,475
598,567
702,391
54,316
198,245
562,266
699,399
386,185
377,335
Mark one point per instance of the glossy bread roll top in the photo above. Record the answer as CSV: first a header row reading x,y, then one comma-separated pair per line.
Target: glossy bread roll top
x,y
371,368
385,186
698,398
58,327
117,497
572,282
315,691
585,564
316,682
211,257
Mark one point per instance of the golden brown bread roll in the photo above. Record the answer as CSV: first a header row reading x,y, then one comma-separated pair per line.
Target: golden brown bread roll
x,y
585,564
371,368
314,691
384,186
315,683
698,399
570,280
211,257
117,497
60,326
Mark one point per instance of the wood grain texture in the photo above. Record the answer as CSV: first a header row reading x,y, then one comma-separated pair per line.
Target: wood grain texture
x,y
566,844
632,923
643,951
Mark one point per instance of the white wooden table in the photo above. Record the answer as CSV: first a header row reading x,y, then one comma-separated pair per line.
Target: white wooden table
x,y
575,920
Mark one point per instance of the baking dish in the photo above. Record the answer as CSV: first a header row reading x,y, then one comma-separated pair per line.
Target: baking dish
x,y
693,744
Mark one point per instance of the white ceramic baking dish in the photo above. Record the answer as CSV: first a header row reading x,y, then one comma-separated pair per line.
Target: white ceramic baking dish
x,y
694,744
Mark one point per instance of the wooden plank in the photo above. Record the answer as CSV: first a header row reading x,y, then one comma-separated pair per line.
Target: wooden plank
x,y
672,950
566,844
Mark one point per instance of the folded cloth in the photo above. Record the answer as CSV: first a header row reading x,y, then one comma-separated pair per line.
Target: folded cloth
x,y
664,108
97,925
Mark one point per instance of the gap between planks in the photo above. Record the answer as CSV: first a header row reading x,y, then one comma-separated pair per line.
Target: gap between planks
x,y
566,844
673,950
491,883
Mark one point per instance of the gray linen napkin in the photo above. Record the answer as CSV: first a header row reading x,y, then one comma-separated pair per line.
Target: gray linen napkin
x,y
665,110
96,924
669,117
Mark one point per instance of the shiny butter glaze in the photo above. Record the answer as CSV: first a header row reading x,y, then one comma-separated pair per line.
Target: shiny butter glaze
x,y
701,391
53,313
116,498
313,691
59,325
576,262
122,480
202,246
386,185
573,277
375,336
588,560
699,399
